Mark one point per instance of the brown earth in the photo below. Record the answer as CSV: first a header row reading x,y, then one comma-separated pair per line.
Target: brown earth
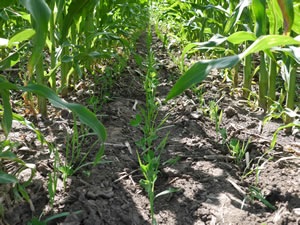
x,y
212,187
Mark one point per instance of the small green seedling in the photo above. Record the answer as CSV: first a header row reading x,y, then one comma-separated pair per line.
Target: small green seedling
x,y
256,193
37,221
237,151
214,114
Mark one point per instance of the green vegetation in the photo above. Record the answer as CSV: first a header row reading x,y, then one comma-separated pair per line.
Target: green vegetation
x,y
56,44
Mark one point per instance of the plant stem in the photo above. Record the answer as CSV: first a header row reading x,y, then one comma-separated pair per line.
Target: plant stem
x,y
291,89
42,104
263,82
247,75
272,81
52,50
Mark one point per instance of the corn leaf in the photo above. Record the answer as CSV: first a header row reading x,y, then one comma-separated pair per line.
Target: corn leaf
x,y
40,13
86,116
291,51
287,10
240,37
275,17
259,9
21,36
9,61
6,122
7,178
199,71
296,24
236,15
269,41
74,10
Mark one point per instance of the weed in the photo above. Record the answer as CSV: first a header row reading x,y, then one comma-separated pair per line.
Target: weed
x,y
38,221
237,152
214,114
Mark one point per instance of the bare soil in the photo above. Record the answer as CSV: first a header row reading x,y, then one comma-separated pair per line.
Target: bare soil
x,y
212,187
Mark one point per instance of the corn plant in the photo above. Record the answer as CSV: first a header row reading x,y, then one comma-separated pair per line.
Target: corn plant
x,y
265,44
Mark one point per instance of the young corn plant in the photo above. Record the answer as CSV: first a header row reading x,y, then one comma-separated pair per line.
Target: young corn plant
x,y
263,43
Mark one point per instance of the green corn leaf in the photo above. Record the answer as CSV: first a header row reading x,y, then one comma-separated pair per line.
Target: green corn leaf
x,y
40,13
61,215
6,122
8,155
291,51
259,9
74,10
269,41
240,37
23,192
199,71
287,10
296,24
275,16
21,36
236,15
10,61
7,178
213,42
86,116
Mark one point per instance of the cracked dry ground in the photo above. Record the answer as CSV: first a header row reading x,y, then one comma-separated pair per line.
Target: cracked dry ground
x,y
212,188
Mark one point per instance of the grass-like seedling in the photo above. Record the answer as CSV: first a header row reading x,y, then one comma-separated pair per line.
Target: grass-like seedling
x,y
237,151
214,114
255,193
39,221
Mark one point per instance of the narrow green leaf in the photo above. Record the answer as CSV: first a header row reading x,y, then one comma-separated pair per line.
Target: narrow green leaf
x,y
274,140
7,115
10,61
85,116
291,51
21,36
240,37
259,9
8,155
7,178
40,13
74,10
199,71
296,24
269,41
62,215
231,22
